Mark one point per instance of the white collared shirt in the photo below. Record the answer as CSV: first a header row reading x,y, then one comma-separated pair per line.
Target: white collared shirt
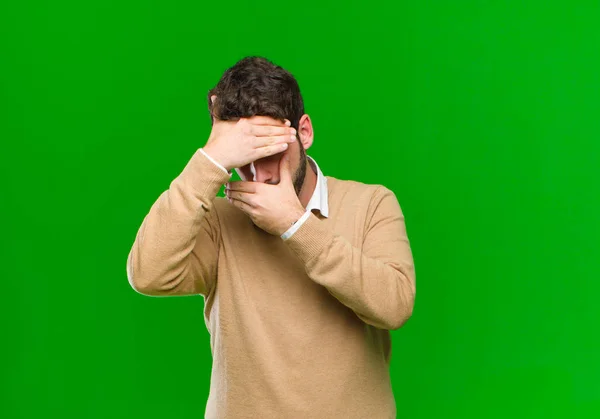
x,y
318,200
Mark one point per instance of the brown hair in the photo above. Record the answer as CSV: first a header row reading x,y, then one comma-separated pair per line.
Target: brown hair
x,y
256,86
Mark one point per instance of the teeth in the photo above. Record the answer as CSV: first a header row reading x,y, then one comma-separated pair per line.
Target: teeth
x,y
253,170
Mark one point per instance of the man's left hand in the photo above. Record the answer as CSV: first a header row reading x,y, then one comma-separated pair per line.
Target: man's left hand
x,y
273,208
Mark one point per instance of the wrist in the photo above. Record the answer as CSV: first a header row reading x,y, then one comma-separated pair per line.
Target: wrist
x,y
294,218
217,157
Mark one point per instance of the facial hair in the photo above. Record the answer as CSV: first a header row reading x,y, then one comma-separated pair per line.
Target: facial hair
x,y
299,175
301,171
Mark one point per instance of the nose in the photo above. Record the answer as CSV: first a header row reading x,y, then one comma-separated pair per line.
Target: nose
x,y
263,174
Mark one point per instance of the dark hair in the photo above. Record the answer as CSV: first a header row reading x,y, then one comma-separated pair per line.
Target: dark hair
x,y
256,86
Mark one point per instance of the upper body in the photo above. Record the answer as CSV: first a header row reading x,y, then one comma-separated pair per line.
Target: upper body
x,y
299,312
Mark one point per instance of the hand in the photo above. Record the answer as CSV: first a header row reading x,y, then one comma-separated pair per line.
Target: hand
x,y
273,208
238,143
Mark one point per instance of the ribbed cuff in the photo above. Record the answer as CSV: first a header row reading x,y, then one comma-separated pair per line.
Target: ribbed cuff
x,y
311,239
290,231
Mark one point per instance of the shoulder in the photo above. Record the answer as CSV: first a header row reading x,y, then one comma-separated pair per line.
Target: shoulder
x,y
373,202
367,193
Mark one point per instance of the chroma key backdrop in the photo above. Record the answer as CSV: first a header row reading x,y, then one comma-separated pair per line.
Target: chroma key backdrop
x,y
481,116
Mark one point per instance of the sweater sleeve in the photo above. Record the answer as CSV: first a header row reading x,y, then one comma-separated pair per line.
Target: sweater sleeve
x,y
176,247
290,231
378,281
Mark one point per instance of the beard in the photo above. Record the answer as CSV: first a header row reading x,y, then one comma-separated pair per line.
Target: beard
x,y
299,175
301,171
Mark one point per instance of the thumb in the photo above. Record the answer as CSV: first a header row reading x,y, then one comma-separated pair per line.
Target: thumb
x,y
285,174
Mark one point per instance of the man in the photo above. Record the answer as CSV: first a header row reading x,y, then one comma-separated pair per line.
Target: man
x,y
303,275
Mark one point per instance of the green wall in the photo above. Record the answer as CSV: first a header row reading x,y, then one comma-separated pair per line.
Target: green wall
x,y
482,116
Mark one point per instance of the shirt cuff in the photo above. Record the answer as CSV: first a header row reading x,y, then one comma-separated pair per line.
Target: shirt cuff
x,y
215,162
296,225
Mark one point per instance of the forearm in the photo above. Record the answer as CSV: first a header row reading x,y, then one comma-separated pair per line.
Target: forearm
x,y
376,282
160,261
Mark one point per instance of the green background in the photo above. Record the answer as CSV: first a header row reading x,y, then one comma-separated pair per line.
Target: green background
x,y
482,116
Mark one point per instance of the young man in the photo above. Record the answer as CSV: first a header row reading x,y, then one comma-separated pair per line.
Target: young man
x,y
303,274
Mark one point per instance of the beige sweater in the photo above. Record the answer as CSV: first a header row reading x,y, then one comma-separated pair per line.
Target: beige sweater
x,y
299,328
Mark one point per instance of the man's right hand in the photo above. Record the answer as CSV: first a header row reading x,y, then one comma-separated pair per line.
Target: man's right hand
x,y
238,143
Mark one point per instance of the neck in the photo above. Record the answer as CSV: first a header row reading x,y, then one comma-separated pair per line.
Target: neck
x,y
309,185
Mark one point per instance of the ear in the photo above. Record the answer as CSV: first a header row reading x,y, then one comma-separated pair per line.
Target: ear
x,y
212,102
305,131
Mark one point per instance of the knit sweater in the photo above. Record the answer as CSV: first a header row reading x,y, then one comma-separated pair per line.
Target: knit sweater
x,y
299,328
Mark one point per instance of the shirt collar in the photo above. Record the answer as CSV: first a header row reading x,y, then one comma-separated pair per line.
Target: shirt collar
x,y
318,199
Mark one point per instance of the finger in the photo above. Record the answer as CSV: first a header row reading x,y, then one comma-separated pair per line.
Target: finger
x,y
273,140
244,206
266,120
242,196
269,150
241,186
234,195
285,171
271,130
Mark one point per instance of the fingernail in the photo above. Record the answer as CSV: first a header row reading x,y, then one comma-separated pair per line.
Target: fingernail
x,y
287,122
